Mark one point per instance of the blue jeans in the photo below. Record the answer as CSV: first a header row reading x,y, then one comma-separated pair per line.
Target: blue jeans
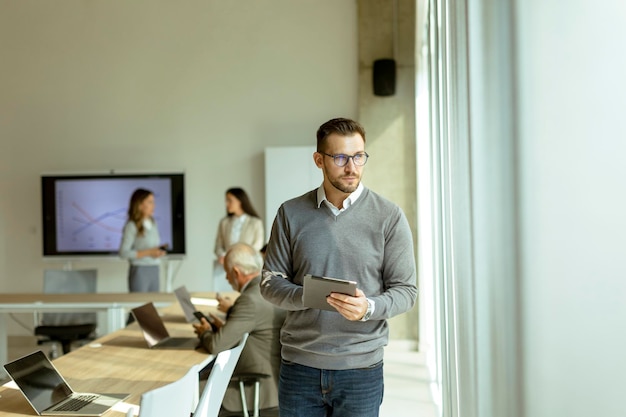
x,y
311,392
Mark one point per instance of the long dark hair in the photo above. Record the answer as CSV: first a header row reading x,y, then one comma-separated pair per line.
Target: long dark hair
x,y
134,213
246,205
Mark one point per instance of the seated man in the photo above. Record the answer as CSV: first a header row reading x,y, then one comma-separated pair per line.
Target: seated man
x,y
250,313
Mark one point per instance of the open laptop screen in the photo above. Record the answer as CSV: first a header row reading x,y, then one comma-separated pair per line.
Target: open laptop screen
x,y
184,299
151,323
39,381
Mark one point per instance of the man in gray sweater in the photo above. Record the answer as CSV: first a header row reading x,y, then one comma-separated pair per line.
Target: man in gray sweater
x,y
332,360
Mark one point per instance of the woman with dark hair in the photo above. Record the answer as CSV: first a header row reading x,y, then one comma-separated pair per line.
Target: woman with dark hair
x,y
241,224
141,243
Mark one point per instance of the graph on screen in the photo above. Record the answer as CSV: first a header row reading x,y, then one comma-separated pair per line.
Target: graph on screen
x,y
91,213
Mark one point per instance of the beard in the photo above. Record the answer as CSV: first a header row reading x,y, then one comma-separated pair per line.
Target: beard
x,y
345,187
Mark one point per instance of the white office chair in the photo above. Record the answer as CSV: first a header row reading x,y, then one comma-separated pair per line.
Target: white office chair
x,y
219,378
176,399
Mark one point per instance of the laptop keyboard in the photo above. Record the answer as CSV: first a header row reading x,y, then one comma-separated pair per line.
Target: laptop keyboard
x,y
76,403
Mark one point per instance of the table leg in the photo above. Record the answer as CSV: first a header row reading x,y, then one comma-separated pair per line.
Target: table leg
x,y
116,319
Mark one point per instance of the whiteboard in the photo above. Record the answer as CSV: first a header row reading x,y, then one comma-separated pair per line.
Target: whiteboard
x,y
289,172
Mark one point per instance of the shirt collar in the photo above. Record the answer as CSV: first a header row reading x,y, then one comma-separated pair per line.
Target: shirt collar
x,y
321,196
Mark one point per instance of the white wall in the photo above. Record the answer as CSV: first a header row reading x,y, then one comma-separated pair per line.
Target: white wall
x,y
200,86
302,176
572,91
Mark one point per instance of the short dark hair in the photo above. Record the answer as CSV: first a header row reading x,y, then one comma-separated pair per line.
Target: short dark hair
x,y
342,126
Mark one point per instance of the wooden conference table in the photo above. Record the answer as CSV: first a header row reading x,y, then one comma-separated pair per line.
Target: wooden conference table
x,y
119,362
115,305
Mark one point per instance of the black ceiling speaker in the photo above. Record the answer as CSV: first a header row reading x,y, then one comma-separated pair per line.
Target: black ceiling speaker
x,y
384,77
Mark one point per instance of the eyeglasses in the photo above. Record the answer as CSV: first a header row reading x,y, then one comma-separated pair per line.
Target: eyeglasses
x,y
341,160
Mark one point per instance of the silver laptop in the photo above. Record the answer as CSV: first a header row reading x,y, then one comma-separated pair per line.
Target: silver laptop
x,y
49,394
184,299
156,334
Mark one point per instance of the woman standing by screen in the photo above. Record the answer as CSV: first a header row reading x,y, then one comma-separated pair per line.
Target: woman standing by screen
x,y
141,243
241,224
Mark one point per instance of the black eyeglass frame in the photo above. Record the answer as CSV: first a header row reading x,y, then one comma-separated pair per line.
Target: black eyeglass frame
x,y
348,157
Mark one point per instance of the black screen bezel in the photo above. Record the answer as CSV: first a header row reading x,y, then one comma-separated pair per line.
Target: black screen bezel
x,y
48,205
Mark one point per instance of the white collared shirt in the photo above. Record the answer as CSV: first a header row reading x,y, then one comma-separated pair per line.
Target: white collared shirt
x,y
321,198
237,224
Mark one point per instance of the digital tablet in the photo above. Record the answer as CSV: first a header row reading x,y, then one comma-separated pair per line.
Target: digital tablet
x,y
316,289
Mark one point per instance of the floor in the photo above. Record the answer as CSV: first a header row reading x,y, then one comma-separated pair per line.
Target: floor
x,y
407,388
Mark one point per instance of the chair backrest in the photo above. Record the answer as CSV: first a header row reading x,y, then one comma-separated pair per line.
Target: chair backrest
x,y
219,378
175,399
64,282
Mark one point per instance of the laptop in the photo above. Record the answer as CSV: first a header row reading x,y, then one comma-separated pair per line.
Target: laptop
x,y
184,299
49,394
154,330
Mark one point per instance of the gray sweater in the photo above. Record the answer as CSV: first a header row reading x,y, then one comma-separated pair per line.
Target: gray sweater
x,y
370,243
132,242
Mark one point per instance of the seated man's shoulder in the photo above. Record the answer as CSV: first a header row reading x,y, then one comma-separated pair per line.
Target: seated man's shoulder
x,y
265,309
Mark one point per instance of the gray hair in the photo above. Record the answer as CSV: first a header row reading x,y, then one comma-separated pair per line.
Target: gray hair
x,y
245,257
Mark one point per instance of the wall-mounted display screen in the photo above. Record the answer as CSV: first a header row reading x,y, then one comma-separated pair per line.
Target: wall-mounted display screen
x,y
85,214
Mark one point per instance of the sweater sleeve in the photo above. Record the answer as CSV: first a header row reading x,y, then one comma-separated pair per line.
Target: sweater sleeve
x,y
398,273
277,284
128,239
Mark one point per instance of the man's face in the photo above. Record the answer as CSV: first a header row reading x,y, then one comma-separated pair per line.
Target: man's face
x,y
345,179
231,276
